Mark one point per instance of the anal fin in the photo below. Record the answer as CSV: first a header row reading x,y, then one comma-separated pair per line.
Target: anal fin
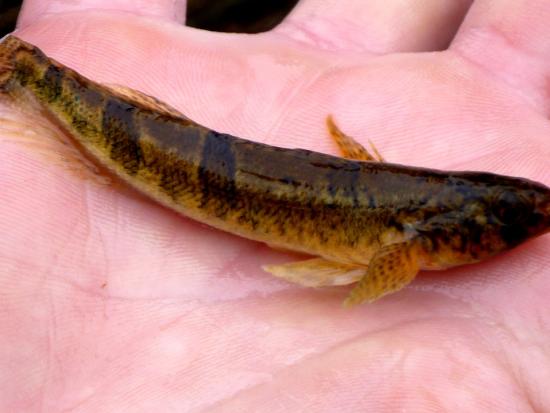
x,y
317,272
143,99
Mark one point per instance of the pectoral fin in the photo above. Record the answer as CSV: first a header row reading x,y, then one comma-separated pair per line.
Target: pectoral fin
x,y
391,268
350,148
317,272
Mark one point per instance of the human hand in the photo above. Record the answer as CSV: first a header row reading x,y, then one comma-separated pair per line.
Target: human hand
x,y
110,302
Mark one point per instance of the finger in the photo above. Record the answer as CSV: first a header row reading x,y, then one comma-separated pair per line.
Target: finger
x,y
171,10
511,40
378,26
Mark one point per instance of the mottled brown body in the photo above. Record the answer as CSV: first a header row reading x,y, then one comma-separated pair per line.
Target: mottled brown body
x,y
345,211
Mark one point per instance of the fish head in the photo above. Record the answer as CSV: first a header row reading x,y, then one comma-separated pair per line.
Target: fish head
x,y
518,210
483,214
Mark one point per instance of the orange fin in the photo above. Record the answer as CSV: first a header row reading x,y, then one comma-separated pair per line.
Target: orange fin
x,y
350,148
280,249
144,100
391,268
317,272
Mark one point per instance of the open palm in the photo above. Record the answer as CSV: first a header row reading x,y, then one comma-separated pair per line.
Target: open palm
x,y
109,302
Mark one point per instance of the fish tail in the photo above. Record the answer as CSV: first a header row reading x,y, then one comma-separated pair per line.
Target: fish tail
x,y
9,46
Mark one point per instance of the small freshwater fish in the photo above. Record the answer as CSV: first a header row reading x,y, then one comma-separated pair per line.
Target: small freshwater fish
x,y
362,219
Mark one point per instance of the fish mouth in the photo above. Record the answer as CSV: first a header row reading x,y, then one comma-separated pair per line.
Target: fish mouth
x,y
542,208
546,207
546,215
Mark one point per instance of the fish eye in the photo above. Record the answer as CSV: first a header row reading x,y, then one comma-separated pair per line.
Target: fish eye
x,y
511,208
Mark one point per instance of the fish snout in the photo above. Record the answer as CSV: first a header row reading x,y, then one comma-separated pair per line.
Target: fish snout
x,y
543,207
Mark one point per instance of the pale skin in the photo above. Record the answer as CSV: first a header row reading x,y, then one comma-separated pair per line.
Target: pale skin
x,y
109,302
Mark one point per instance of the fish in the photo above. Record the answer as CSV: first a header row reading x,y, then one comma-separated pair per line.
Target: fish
x,y
362,220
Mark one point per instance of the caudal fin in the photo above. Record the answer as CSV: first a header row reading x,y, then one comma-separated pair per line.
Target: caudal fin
x,y
8,50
